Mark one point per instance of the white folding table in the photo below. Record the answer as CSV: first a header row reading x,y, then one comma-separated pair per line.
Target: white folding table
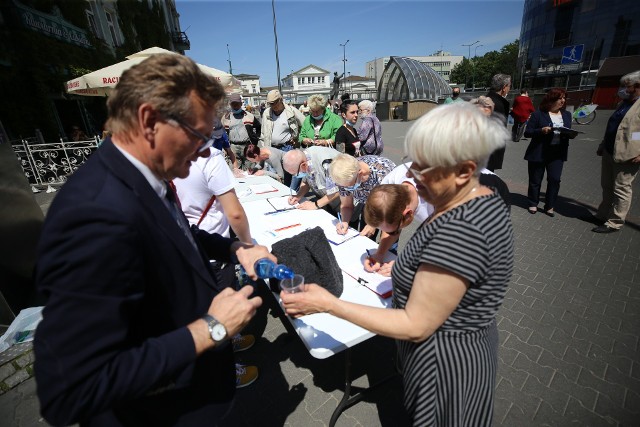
x,y
323,334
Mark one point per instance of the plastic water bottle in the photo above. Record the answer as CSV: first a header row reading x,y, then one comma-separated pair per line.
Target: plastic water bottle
x,y
265,269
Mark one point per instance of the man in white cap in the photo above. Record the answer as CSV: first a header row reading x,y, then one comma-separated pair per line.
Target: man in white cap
x,y
281,123
242,127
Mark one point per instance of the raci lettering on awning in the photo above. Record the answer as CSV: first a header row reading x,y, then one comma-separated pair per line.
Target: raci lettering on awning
x,y
52,25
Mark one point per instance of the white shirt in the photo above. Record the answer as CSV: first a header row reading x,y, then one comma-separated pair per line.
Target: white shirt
x,y
399,175
207,176
281,133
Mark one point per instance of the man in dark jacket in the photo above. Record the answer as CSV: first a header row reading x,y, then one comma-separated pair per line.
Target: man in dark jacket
x,y
500,86
135,330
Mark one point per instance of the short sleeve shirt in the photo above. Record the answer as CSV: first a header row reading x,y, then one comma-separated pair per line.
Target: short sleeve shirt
x,y
399,176
380,167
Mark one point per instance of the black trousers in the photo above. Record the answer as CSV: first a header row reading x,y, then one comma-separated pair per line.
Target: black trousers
x,y
536,173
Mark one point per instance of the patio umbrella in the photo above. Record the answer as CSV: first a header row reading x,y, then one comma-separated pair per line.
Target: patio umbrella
x,y
102,81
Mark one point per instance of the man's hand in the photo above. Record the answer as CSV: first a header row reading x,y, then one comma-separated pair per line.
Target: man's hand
x,y
308,206
258,173
635,159
248,254
293,200
234,309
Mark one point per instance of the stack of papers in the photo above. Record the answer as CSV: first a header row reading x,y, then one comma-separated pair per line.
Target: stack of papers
x,y
262,188
281,203
338,239
375,282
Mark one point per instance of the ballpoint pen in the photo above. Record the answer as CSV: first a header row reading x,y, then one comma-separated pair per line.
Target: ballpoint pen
x,y
340,220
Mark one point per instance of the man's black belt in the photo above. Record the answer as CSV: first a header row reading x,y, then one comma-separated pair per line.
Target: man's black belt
x,y
240,143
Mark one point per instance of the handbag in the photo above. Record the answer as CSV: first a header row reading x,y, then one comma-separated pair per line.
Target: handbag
x,y
310,255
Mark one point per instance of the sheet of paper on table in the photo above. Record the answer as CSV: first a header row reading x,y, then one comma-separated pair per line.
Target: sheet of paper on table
x,y
337,239
281,203
378,283
262,188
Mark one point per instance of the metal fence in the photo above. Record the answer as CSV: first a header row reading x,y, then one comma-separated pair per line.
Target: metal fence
x,y
46,164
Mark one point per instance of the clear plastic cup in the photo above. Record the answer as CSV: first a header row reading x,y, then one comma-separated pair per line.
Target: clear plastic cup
x,y
293,285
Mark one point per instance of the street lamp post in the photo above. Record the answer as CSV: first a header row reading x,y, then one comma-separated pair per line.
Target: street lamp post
x,y
229,60
344,62
475,54
275,36
466,78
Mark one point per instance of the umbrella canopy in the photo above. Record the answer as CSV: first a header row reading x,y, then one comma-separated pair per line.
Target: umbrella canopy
x,y
101,82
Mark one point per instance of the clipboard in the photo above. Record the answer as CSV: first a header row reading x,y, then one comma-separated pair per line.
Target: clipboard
x,y
380,285
281,204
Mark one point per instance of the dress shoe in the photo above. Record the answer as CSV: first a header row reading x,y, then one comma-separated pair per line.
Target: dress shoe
x,y
550,213
604,229
592,219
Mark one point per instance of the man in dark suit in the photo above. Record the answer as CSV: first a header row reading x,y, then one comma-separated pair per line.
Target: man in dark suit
x,y
500,87
135,330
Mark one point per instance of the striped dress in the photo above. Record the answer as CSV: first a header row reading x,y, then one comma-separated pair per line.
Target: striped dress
x,y
449,378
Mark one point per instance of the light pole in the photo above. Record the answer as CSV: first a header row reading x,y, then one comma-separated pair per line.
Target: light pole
x,y
344,61
275,36
229,60
466,78
475,54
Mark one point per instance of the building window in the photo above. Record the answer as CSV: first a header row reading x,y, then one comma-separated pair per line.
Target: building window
x,y
253,89
92,23
112,28
299,80
322,79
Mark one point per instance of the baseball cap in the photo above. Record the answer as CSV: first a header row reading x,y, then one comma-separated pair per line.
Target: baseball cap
x,y
273,96
235,97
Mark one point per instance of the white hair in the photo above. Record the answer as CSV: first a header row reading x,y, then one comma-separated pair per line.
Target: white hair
x,y
631,79
316,101
453,133
343,169
366,105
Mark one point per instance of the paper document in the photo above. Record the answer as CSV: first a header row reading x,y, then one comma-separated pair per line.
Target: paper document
x,y
568,131
281,203
338,239
262,188
377,283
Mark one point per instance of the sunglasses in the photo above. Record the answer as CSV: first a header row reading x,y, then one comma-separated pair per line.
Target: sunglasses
x,y
206,141
398,229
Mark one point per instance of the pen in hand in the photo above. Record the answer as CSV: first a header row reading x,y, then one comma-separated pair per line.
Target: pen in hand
x,y
340,228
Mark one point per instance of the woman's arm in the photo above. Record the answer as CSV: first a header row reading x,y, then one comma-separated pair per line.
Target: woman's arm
x,y
435,294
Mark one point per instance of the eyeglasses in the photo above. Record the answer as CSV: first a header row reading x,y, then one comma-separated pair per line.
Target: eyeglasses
x,y
207,141
416,174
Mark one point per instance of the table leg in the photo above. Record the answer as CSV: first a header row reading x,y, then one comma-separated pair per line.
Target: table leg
x,y
348,399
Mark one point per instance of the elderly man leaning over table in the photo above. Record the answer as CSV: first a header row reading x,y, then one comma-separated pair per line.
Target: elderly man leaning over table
x,y
312,166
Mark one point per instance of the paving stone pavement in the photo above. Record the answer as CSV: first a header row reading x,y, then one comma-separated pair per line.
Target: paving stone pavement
x,y
569,325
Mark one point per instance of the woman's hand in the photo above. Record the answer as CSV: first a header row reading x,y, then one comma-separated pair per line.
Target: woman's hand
x,y
258,173
314,299
342,227
368,231
547,129
385,268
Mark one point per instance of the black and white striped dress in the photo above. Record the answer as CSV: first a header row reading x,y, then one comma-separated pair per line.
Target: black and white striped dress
x,y
449,379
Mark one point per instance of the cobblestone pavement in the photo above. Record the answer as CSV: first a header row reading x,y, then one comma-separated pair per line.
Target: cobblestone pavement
x,y
569,325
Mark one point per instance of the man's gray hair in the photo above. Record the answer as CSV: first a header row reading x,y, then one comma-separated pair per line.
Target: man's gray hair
x,y
499,81
631,79
453,133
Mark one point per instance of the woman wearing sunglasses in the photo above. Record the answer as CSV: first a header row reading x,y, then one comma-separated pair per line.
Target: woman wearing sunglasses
x,y
450,279
355,178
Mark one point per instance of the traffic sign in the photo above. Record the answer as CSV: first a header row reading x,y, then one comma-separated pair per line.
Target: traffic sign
x,y
572,54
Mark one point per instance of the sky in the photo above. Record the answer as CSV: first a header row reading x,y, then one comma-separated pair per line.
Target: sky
x,y
311,31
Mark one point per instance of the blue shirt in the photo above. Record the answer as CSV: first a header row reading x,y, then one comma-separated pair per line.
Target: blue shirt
x,y
222,142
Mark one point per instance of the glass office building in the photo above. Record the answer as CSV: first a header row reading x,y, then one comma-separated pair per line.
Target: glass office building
x,y
564,42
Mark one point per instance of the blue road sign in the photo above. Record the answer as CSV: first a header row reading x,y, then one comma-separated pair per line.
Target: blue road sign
x,y
572,54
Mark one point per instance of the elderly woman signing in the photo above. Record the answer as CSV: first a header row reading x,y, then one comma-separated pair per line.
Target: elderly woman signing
x,y
321,125
450,279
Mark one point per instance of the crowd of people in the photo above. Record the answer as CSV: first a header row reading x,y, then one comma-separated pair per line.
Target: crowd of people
x,y
138,253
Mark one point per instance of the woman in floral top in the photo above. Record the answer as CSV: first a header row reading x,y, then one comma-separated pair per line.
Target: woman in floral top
x,y
370,131
355,178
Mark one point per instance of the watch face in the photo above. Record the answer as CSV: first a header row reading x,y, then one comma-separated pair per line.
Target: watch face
x,y
218,332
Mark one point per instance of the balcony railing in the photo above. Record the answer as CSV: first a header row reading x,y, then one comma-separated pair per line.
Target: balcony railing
x,y
46,164
180,40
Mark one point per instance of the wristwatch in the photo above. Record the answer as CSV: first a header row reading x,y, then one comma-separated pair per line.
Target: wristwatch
x,y
216,329
316,203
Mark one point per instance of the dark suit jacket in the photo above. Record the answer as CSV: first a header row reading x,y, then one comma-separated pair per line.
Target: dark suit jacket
x,y
540,148
122,282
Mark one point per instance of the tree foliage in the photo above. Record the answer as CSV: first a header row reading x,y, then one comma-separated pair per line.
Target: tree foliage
x,y
480,69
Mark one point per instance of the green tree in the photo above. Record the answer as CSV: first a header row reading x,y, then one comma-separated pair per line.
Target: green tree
x,y
481,69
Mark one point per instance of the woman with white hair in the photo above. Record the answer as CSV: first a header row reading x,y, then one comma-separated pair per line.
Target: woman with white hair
x,y
450,279
355,178
321,125
370,131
